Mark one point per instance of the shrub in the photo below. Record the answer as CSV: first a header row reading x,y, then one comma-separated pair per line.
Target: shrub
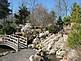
x,y
1,32
1,26
8,28
66,20
74,38
52,29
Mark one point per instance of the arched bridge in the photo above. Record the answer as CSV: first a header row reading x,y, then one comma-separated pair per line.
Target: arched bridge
x,y
14,41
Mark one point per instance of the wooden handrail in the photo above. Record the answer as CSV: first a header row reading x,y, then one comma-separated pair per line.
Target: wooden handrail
x,y
16,40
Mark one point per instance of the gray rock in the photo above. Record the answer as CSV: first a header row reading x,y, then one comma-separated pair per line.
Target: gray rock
x,y
31,46
26,27
59,45
72,55
36,41
4,53
60,54
35,58
43,34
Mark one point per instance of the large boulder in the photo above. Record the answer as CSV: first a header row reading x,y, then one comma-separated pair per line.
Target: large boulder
x,y
50,44
43,34
60,54
26,27
39,56
4,53
31,45
59,46
36,58
38,30
36,40
72,55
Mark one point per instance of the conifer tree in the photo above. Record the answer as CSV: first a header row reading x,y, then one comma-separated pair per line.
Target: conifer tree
x,y
23,14
4,9
76,13
74,37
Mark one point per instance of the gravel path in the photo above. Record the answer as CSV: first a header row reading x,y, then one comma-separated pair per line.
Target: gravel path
x,y
22,55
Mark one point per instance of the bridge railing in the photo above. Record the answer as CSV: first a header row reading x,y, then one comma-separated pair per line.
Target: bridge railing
x,y
11,38
23,41
18,41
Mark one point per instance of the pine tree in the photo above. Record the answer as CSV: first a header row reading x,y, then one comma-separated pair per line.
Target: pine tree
x,y
23,14
4,9
76,13
74,37
60,22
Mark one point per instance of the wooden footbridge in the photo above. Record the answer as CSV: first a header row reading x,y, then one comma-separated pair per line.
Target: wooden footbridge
x,y
14,41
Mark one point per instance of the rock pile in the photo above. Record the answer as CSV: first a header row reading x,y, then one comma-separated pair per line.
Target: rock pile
x,y
53,44
39,56
56,44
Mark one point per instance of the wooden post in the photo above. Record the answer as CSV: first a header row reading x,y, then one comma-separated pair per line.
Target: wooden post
x,y
18,42
27,41
4,38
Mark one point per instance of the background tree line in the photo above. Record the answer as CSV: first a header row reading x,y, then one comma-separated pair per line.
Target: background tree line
x,y
36,14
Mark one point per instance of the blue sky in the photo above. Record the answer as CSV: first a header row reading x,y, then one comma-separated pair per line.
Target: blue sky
x,y
48,4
